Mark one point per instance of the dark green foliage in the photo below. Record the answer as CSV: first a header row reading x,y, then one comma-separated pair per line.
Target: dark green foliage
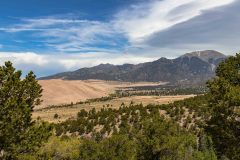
x,y
57,148
55,116
18,133
150,131
161,90
161,139
82,113
89,150
224,124
158,139
117,147
128,117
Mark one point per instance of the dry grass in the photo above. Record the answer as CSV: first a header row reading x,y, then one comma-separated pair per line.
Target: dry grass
x,y
71,112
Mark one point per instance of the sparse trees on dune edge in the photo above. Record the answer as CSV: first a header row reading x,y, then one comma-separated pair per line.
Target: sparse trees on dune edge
x,y
18,133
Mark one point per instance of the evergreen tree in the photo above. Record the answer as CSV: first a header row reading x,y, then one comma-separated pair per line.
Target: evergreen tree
x,y
224,123
18,133
89,150
161,139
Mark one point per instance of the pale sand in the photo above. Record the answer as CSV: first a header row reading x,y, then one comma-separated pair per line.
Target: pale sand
x,y
57,92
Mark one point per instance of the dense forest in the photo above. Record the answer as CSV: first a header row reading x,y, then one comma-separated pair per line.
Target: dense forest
x,y
205,127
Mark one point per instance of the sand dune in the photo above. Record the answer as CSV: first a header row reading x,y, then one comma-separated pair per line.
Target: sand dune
x,y
58,91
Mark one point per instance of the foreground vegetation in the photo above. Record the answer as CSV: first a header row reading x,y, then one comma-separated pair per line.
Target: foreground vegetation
x,y
205,127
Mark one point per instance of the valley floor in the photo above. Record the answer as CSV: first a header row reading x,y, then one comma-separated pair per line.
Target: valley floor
x,y
47,114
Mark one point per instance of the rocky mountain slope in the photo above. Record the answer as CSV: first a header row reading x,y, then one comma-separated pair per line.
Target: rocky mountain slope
x,y
195,67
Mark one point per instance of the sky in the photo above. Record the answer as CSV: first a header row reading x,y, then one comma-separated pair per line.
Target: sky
x,y
51,36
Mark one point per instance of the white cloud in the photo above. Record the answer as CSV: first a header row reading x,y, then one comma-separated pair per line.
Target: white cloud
x,y
142,20
135,23
27,58
66,35
41,64
45,24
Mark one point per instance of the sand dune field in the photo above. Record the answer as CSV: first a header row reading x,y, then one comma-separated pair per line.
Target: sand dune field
x,y
56,91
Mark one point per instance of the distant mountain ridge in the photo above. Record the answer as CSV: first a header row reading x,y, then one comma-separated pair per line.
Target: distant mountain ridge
x,y
195,67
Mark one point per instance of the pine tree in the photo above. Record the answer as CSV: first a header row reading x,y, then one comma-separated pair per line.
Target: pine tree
x,y
224,123
18,132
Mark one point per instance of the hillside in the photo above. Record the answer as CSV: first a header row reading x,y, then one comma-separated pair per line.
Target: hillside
x,y
195,67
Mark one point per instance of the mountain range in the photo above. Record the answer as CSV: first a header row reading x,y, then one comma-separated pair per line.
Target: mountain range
x,y
190,68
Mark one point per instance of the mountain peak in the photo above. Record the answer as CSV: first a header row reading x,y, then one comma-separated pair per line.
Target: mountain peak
x,y
207,55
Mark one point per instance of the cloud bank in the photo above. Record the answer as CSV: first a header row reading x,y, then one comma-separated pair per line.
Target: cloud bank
x,y
142,20
141,32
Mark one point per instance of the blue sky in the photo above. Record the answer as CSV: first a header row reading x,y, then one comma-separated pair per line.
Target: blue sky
x,y
60,35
